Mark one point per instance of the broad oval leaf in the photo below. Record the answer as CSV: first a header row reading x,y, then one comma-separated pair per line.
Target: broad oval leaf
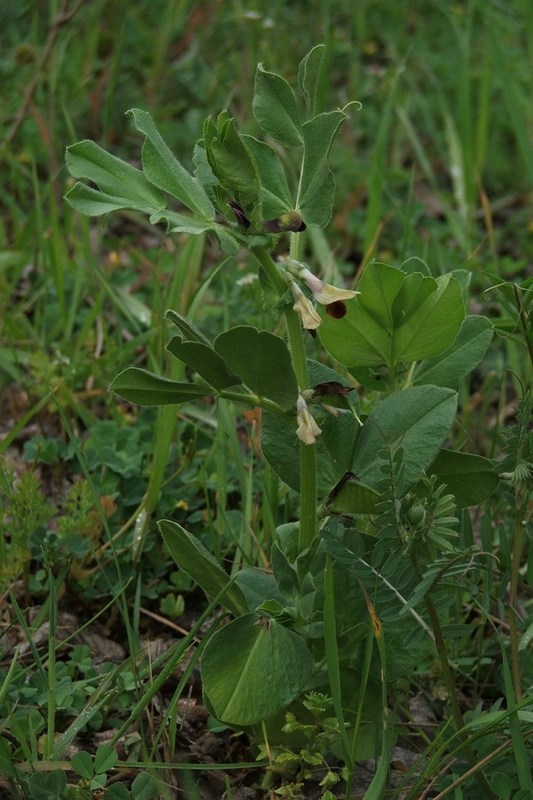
x,y
362,337
470,478
460,358
262,361
258,587
105,758
274,107
253,668
431,320
417,419
352,497
147,389
82,764
194,559
205,361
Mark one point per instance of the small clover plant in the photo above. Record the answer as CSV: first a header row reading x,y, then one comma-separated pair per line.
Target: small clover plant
x,y
346,607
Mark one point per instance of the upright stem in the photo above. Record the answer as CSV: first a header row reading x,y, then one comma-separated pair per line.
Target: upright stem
x,y
308,491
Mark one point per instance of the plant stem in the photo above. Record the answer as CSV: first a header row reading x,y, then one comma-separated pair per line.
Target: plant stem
x,y
391,382
448,678
308,491
252,400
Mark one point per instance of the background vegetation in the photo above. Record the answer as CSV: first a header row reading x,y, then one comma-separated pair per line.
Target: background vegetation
x,y
436,165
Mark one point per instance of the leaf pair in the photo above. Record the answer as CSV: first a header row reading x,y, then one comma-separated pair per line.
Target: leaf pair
x,y
255,363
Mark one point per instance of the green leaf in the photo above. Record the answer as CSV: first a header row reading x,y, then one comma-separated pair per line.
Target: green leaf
x,y
285,574
94,203
203,172
397,318
187,330
232,162
275,193
164,170
47,786
7,767
105,758
122,185
274,107
352,497
414,291
258,587
82,764
146,389
205,361
470,478
181,223
145,787
460,358
193,558
428,322
252,668
262,361
317,185
464,279
417,419
118,791
309,77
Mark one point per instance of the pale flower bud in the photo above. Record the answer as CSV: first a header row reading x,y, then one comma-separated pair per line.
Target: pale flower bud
x,y
304,308
307,430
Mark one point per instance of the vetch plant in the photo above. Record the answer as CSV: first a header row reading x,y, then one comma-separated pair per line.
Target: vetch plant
x,y
356,581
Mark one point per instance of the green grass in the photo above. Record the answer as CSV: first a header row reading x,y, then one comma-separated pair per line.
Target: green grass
x,y
437,165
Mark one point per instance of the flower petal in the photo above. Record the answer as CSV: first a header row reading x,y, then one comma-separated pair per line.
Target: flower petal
x,y
325,293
